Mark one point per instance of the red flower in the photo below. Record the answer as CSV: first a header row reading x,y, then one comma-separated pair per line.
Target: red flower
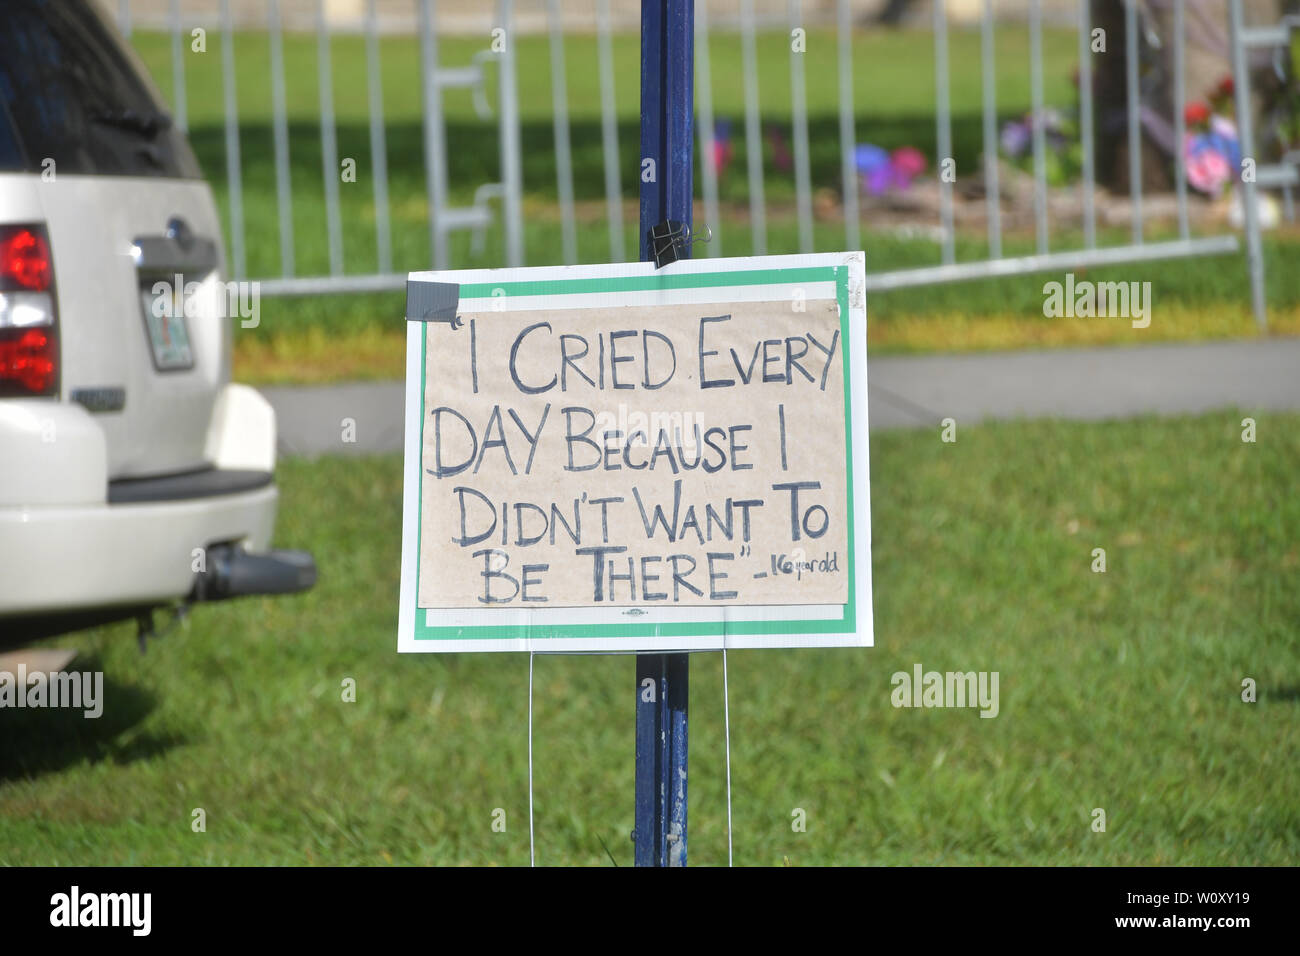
x,y
1196,113
1225,86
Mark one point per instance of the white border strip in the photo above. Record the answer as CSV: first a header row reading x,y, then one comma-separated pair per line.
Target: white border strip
x,y
617,617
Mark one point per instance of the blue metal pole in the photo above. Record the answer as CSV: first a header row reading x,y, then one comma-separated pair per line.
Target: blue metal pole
x,y
662,691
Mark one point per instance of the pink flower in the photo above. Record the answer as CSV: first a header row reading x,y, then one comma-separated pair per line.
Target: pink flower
x,y
721,156
1208,170
908,163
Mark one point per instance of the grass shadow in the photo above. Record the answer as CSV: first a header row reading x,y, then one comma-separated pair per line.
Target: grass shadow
x,y
473,154
36,741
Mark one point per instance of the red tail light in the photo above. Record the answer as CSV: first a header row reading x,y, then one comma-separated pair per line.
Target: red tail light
x,y
30,360
25,258
29,344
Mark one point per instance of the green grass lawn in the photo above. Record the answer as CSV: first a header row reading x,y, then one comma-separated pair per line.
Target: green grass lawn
x,y
1118,690
331,338
893,97
335,338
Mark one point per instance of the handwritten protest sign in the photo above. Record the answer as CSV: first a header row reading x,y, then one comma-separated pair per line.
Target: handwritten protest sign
x,y
618,458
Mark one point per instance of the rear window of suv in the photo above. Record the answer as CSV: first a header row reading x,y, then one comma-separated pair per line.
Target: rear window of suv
x,y
70,92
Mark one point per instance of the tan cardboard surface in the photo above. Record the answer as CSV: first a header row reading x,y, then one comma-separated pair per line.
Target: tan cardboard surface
x,y
597,405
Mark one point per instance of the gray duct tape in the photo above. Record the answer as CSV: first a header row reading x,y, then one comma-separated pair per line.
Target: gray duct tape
x,y
432,301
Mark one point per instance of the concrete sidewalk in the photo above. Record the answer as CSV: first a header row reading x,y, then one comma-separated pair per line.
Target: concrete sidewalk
x,y
910,392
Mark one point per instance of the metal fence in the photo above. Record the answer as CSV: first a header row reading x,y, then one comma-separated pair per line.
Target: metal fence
x,y
444,218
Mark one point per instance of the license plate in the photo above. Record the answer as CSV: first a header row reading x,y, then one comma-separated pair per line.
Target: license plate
x,y
164,319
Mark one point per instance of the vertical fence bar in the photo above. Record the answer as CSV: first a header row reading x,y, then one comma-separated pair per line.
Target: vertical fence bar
x,y
378,144
511,162
1039,122
1249,196
609,134
1180,123
179,113
435,147
1134,116
988,82
560,122
124,17
234,177
753,130
280,132
799,133
848,133
667,34
1086,126
329,141
704,94
943,120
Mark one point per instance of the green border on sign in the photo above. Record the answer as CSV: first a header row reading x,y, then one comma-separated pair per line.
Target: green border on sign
x,y
845,624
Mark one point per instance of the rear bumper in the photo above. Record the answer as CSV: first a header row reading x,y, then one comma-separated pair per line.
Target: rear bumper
x,y
68,558
72,541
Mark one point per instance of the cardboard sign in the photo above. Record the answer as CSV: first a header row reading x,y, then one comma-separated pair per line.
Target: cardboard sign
x,y
618,458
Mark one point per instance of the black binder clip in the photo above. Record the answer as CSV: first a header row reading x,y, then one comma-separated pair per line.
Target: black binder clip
x,y
669,237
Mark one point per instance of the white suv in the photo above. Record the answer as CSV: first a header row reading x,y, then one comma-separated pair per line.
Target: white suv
x,y
132,473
